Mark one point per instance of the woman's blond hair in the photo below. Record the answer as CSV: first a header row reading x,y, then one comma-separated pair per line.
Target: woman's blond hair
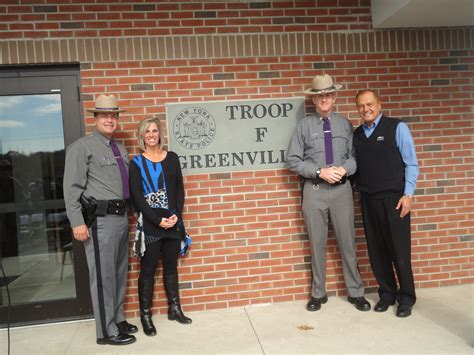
x,y
141,131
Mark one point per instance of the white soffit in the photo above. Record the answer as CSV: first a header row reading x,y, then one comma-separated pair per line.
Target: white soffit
x,y
422,13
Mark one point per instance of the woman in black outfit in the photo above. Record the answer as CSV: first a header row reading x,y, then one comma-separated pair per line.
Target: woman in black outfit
x,y
157,191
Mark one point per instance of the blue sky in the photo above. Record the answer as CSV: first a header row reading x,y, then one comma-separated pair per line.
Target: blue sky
x,y
31,123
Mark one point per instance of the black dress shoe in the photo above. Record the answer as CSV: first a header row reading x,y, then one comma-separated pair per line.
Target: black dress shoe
x,y
119,339
126,327
383,305
314,303
403,311
360,303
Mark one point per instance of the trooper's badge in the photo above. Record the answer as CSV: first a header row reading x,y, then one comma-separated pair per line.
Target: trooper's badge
x,y
194,128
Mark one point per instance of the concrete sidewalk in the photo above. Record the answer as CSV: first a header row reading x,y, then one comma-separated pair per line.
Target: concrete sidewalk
x,y
442,323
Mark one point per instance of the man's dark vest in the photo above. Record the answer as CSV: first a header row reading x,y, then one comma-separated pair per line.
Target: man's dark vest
x,y
380,167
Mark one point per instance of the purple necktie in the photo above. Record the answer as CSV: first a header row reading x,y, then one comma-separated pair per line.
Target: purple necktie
x,y
328,141
122,168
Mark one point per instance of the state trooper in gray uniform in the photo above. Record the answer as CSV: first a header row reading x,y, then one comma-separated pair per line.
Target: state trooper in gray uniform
x,y
95,191
321,152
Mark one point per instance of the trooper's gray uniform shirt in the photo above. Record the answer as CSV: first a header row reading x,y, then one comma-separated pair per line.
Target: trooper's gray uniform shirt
x,y
91,169
306,153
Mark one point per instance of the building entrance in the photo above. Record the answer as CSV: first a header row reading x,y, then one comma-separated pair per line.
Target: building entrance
x,y
44,272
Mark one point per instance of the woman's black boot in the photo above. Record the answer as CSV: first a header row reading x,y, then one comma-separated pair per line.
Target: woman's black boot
x,y
174,307
145,295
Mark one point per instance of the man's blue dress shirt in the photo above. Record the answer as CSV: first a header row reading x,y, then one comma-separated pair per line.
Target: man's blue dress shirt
x,y
406,146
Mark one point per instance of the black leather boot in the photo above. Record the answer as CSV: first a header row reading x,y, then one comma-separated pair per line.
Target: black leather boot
x,y
174,307
145,295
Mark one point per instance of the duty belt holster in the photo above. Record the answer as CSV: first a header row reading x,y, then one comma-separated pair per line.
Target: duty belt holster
x,y
89,207
92,208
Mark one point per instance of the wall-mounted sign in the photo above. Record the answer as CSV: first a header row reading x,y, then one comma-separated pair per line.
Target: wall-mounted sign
x,y
222,136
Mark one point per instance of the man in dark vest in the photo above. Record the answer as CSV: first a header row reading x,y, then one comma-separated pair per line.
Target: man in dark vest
x,y
321,152
387,170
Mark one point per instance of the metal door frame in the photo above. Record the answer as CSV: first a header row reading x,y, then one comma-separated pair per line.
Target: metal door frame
x,y
46,79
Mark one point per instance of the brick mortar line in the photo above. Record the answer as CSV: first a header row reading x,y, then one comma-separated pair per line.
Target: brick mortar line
x,y
249,230
449,278
431,273
441,150
444,165
439,243
249,260
438,215
247,283
442,215
240,284
445,193
308,262
238,224
248,290
437,259
231,209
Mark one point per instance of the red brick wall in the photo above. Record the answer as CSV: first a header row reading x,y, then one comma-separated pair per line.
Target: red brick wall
x,y
250,244
69,18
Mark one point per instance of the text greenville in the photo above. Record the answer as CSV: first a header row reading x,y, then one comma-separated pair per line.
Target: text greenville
x,y
214,160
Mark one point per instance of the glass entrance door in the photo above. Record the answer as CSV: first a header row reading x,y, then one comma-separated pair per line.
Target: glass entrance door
x,y
44,268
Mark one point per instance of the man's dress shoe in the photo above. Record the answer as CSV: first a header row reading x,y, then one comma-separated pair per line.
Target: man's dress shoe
x,y
119,339
360,303
126,327
403,311
383,305
314,303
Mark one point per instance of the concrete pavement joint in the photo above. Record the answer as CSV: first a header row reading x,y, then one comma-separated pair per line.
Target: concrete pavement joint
x,y
255,332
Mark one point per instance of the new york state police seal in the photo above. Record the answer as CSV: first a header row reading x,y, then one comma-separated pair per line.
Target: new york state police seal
x,y
194,128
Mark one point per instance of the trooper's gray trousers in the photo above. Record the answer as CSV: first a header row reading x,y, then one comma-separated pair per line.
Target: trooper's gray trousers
x,y
319,202
107,258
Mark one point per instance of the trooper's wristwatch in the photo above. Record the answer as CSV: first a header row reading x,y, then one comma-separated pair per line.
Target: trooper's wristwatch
x,y
318,172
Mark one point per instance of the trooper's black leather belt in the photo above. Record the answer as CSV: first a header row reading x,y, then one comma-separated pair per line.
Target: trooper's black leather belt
x,y
115,207
92,208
